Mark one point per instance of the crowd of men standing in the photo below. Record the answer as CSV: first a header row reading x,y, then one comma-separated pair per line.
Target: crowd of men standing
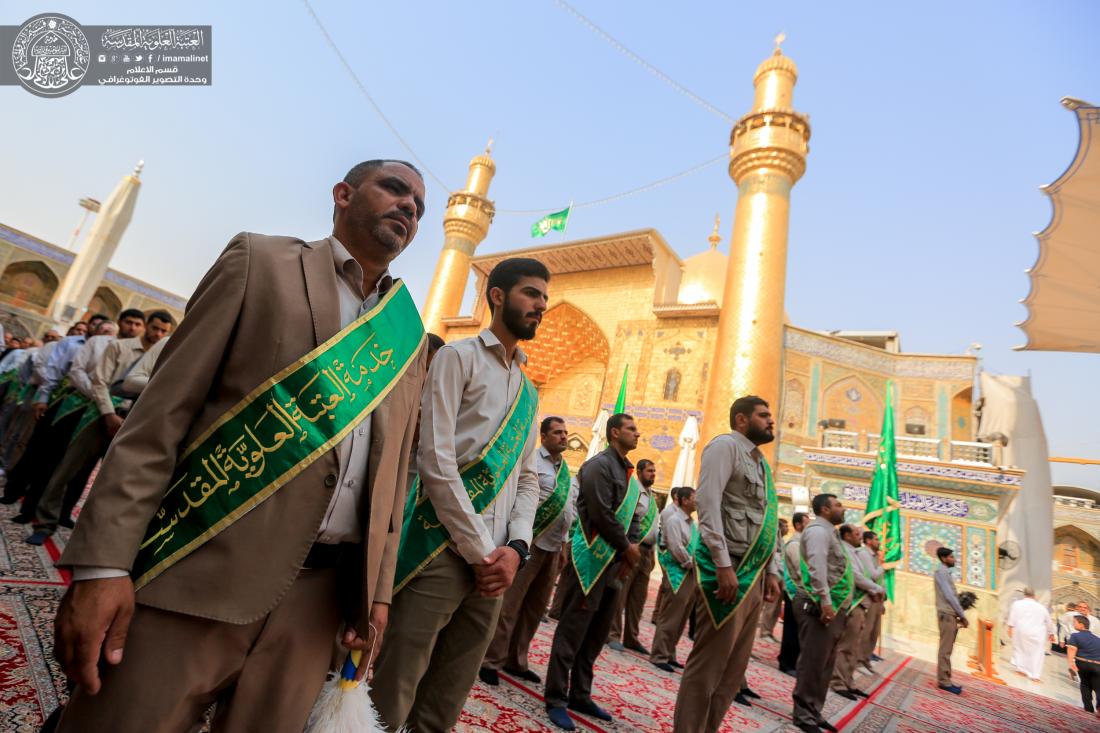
x,y
424,529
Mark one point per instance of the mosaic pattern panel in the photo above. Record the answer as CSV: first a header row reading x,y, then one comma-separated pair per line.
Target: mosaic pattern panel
x,y
976,560
925,537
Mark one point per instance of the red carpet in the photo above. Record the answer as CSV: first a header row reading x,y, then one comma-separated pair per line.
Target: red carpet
x,y
904,697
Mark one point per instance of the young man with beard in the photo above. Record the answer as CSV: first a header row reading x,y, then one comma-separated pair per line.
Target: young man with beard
x,y
865,593
737,564
526,601
821,608
242,548
631,598
678,563
873,569
604,549
468,523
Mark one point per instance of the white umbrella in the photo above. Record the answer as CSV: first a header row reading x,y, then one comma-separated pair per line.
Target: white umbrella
x,y
90,265
599,431
685,463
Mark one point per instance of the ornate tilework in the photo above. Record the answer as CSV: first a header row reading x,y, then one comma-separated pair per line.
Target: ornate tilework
x,y
915,502
945,471
879,361
975,556
925,537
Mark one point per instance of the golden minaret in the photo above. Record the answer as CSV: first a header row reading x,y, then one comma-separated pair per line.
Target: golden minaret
x,y
768,148
465,224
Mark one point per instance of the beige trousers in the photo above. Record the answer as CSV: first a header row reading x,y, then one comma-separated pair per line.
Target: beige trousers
x,y
674,616
716,666
631,600
524,604
872,628
663,592
769,615
949,629
265,675
847,650
439,629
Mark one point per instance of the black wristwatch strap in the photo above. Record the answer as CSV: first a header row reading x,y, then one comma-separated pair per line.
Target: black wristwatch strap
x,y
521,549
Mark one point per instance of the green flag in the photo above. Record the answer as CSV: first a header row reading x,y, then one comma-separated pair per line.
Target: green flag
x,y
620,403
550,222
883,515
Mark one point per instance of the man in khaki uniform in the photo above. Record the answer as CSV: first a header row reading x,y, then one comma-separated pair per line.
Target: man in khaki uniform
x,y
732,501
247,618
788,647
950,616
445,612
525,602
851,642
821,619
632,596
676,535
873,569
769,615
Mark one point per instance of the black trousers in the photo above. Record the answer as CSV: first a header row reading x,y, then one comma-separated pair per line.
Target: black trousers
x,y
1089,676
788,647
41,449
42,456
582,630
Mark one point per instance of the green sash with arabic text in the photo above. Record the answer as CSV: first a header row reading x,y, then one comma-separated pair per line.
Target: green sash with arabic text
x,y
549,510
279,429
591,557
423,535
841,590
674,570
751,565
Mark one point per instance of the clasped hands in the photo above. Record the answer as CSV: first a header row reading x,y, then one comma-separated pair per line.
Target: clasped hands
x,y
495,573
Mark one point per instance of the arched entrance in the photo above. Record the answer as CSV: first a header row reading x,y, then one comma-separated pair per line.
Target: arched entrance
x,y
28,284
568,362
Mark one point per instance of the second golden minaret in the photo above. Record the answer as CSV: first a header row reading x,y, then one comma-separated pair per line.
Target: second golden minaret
x,y
465,224
768,149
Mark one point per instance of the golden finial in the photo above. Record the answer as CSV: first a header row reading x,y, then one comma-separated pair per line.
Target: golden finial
x,y
489,147
780,37
714,239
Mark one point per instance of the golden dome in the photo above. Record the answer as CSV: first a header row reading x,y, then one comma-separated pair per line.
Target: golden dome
x,y
776,62
704,275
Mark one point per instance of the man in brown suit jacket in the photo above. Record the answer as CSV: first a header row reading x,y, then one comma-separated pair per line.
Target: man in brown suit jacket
x,y
248,617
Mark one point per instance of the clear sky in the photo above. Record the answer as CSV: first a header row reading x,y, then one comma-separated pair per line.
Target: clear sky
x,y
933,125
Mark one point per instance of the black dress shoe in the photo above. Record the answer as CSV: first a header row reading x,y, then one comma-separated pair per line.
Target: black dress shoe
x,y
664,666
591,709
22,518
676,664
857,692
9,499
66,522
791,672
523,674
749,693
740,699
807,728
826,725
845,694
637,648
489,676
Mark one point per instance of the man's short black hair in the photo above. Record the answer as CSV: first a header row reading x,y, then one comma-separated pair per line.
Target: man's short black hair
x,y
869,535
845,530
1083,620
132,313
359,171
99,316
682,492
548,422
616,421
435,343
745,406
799,518
821,501
642,464
162,316
510,271
943,552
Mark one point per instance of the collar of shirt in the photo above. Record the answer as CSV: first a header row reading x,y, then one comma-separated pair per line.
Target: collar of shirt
x,y
490,341
556,460
686,515
350,271
624,462
746,445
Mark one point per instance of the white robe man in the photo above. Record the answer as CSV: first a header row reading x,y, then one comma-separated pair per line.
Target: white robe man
x,y
1031,629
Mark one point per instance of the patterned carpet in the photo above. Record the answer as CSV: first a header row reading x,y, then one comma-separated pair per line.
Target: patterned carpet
x,y
904,697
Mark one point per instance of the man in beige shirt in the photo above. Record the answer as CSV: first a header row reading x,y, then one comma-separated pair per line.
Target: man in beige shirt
x,y
443,617
732,503
676,534
632,595
91,443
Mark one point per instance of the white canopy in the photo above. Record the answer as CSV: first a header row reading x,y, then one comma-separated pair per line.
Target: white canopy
x,y
599,432
1064,302
684,475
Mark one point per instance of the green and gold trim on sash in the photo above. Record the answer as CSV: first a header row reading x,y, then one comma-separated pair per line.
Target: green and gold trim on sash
x,y
549,510
752,564
789,586
423,535
841,591
72,402
592,557
279,429
673,570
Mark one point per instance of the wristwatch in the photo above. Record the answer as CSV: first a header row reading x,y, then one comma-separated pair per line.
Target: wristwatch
x,y
521,549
